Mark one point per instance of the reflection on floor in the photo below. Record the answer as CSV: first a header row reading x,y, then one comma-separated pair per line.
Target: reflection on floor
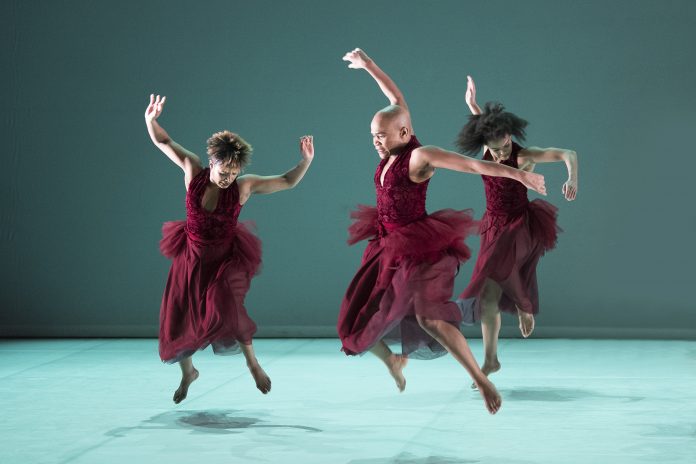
x,y
564,401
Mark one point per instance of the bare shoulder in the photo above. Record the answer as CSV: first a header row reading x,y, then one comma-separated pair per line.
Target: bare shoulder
x,y
426,151
525,159
245,185
420,166
191,167
245,181
529,152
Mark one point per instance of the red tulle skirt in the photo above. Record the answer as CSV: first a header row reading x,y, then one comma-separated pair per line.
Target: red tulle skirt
x,y
203,302
511,246
406,272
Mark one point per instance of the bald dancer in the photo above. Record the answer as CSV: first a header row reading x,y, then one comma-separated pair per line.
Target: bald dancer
x,y
401,292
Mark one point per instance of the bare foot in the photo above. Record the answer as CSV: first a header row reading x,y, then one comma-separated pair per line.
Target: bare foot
x,y
263,382
396,364
487,369
491,397
526,323
186,380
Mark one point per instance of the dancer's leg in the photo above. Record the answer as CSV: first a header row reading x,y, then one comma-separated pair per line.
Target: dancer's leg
x,y
394,362
490,326
263,382
454,342
188,375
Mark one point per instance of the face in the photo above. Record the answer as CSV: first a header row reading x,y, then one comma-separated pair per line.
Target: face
x,y
387,134
223,174
501,148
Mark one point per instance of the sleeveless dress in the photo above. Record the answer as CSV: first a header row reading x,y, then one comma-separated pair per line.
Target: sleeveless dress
x,y
213,260
408,267
515,233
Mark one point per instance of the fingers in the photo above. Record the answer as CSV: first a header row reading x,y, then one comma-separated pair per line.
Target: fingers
x,y
306,142
159,101
152,98
354,57
350,56
569,191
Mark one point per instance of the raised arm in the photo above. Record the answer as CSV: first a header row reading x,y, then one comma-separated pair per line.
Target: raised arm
x,y
528,157
359,60
251,183
182,157
427,158
470,96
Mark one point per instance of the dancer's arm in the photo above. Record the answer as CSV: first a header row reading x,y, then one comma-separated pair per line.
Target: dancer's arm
x,y
470,96
251,183
189,162
530,156
427,158
359,60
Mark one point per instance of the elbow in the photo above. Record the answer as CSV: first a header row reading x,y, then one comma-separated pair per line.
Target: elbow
x,y
289,183
164,142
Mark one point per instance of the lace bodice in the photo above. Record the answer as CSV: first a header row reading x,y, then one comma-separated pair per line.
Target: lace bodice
x,y
503,195
400,201
219,224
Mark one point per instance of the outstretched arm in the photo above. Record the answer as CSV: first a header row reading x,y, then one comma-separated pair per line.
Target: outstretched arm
x,y
359,60
182,157
251,183
533,155
428,158
470,96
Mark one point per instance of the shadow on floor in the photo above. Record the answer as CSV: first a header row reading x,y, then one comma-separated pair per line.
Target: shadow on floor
x,y
408,458
215,421
561,394
671,430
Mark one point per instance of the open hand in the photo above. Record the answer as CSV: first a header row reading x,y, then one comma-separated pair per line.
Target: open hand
x,y
154,109
570,189
307,147
470,96
358,59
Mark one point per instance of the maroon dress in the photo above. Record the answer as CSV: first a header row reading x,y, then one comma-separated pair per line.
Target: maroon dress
x,y
408,267
213,260
515,233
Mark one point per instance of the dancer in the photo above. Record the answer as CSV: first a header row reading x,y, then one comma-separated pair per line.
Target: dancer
x,y
515,232
214,257
403,288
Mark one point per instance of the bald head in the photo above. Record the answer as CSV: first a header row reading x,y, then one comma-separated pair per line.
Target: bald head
x,y
391,128
394,115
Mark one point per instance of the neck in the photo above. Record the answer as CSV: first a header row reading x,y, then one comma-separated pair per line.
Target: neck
x,y
399,150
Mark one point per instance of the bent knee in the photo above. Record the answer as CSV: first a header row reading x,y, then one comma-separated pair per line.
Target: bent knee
x,y
489,308
428,324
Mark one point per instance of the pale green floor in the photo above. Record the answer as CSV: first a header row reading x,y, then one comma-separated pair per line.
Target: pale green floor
x,y
564,401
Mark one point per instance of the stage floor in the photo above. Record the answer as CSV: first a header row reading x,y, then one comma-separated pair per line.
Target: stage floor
x,y
564,401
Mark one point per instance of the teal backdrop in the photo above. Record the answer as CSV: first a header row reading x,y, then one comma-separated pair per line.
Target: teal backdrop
x,y
84,192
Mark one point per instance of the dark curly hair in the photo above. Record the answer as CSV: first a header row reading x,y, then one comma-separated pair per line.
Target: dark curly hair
x,y
226,146
493,123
